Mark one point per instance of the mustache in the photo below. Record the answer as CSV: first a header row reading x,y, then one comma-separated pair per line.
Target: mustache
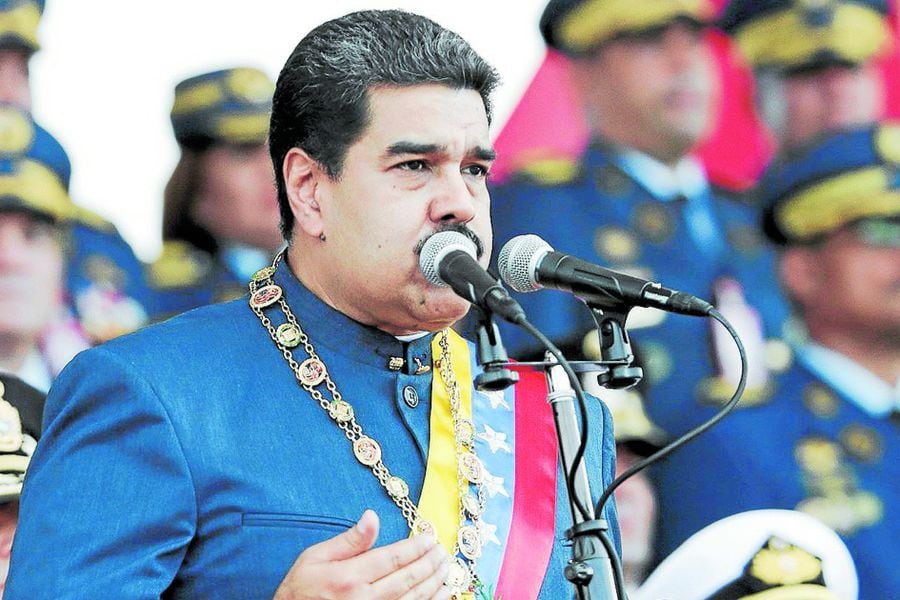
x,y
459,228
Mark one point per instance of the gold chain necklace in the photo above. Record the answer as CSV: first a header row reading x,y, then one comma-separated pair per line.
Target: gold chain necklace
x,y
311,373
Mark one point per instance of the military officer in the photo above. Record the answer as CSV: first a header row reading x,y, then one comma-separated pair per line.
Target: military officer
x,y
236,461
637,201
39,334
814,62
105,280
220,215
825,443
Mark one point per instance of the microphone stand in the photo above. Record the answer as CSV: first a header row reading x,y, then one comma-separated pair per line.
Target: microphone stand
x,y
492,357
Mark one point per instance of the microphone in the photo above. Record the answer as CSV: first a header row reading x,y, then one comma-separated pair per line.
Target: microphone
x,y
527,263
448,259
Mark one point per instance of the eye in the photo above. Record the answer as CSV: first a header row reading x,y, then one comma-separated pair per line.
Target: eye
x,y
476,170
413,165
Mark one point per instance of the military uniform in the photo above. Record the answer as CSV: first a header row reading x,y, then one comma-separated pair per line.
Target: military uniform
x,y
604,210
824,443
205,470
230,106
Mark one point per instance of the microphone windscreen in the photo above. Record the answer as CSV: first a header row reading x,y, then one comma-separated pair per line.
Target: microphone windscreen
x,y
519,260
437,247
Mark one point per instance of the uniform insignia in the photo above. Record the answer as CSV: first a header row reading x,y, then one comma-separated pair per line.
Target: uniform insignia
x,y
746,240
612,181
862,443
830,483
654,221
106,313
249,84
616,244
10,426
656,360
820,401
779,563
887,143
16,132
549,171
716,391
102,270
778,355
178,266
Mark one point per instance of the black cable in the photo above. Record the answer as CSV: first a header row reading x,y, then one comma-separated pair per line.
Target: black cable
x,y
693,433
618,575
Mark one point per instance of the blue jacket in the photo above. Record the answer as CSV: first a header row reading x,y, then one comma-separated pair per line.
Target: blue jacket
x,y
809,448
603,215
184,461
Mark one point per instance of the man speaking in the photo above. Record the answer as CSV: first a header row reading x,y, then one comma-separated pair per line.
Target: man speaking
x,y
230,452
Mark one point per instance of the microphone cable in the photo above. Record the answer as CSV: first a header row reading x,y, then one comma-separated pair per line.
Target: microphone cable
x,y
693,433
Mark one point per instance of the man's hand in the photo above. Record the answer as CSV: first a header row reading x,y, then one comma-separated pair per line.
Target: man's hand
x,y
345,567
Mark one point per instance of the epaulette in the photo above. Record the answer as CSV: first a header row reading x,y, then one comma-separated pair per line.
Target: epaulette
x,y
179,265
92,220
548,171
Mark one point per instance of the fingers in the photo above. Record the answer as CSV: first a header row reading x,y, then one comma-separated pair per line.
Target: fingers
x,y
421,578
347,544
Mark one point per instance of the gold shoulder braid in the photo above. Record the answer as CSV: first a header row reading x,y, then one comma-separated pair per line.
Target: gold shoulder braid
x,y
311,373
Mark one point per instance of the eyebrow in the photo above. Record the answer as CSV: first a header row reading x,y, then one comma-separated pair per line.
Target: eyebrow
x,y
401,148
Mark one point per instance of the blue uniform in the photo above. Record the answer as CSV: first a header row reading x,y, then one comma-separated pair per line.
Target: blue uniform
x,y
185,461
810,448
185,277
105,281
601,213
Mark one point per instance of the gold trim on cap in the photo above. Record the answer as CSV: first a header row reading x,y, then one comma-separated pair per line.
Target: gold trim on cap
x,y
38,188
824,207
197,97
785,38
594,21
243,129
22,21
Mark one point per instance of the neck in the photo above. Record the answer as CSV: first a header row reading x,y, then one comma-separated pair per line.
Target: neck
x,y
877,353
14,350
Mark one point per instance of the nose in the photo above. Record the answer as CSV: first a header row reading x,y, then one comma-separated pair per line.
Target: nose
x,y
453,201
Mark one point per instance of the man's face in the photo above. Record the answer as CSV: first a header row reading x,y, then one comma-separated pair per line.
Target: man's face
x,y
848,285
238,202
31,274
9,519
420,165
830,98
656,90
14,86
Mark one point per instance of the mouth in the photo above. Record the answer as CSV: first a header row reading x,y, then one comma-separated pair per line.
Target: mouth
x,y
459,228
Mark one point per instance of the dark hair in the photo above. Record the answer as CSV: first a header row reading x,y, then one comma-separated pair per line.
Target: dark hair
x,y
321,103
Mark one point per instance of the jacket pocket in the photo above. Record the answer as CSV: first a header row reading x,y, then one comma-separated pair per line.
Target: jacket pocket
x,y
296,521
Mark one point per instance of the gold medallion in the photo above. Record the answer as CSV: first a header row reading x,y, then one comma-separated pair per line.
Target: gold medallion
x,y
471,467
288,335
469,542
421,526
397,488
458,577
472,506
367,451
263,274
340,411
465,431
265,296
312,372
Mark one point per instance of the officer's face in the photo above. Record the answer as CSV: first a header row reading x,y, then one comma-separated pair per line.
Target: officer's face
x,y
9,519
653,91
14,86
830,98
420,164
237,202
31,274
848,286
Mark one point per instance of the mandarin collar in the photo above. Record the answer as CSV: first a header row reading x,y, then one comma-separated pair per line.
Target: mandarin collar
x,y
331,328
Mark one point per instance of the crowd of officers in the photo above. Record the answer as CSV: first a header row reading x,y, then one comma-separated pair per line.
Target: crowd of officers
x,y
806,264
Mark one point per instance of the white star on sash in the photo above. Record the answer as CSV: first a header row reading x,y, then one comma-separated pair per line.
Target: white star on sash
x,y
487,532
494,485
496,399
495,439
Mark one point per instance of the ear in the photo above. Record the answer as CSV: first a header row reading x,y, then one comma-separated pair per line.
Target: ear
x,y
302,175
800,274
